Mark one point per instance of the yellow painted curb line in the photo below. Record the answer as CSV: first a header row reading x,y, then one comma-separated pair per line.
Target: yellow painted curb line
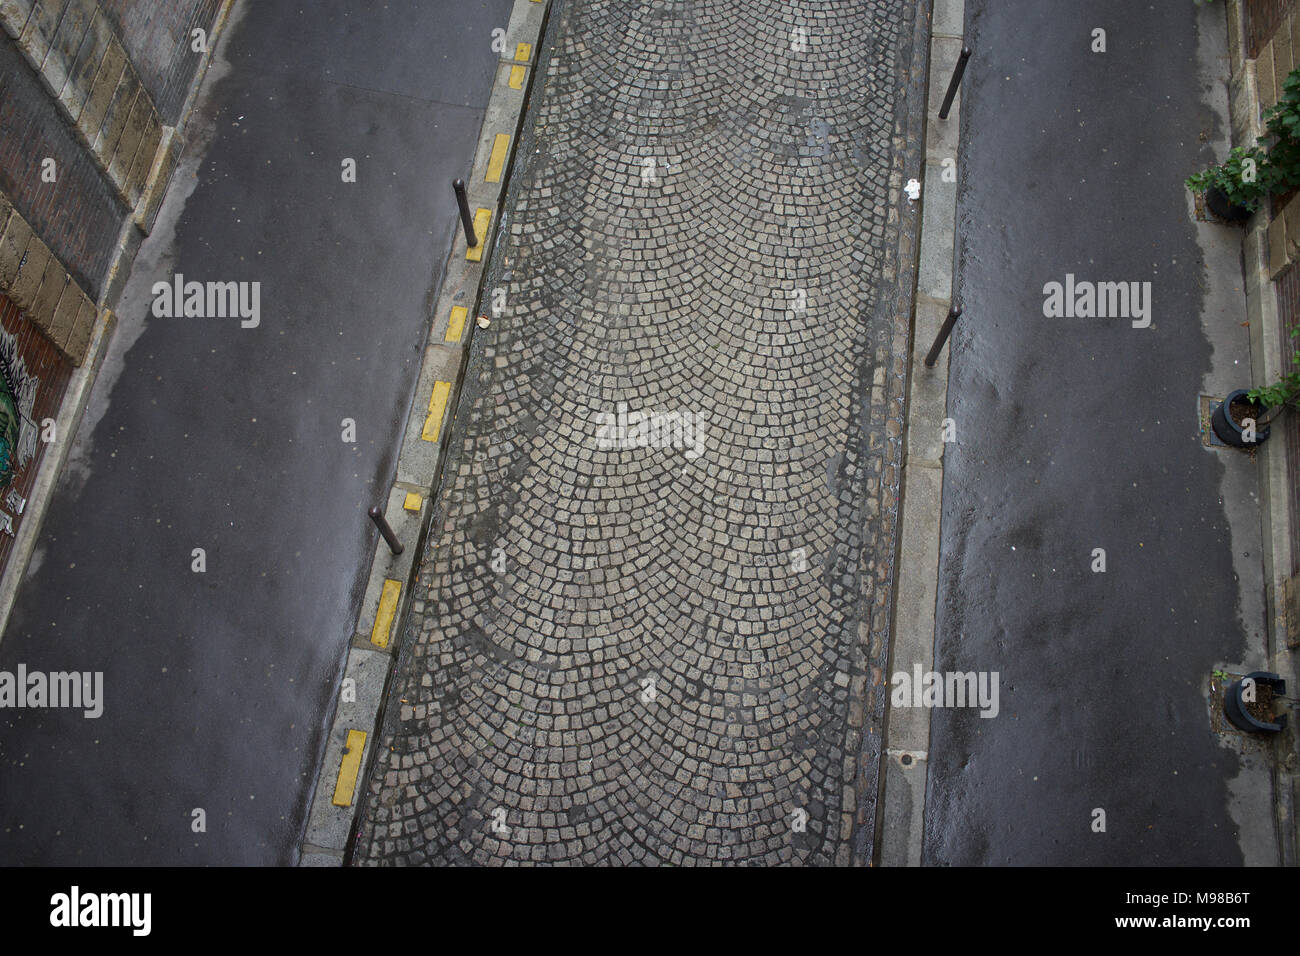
x,y
413,502
481,220
437,405
497,161
456,324
346,786
517,74
523,52
387,611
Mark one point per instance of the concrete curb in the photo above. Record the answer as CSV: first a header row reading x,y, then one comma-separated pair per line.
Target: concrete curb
x,y
374,648
1266,365
906,739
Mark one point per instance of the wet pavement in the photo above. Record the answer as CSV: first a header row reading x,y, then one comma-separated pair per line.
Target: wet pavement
x,y
651,620
1075,434
203,434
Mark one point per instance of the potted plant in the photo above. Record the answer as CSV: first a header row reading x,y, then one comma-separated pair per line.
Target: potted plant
x,y
1234,189
1243,419
1248,703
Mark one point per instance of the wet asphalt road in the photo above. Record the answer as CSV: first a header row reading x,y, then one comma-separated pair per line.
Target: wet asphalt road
x,y
203,434
1075,434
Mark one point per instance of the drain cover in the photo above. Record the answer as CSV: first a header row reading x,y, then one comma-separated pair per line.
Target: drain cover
x,y
1207,406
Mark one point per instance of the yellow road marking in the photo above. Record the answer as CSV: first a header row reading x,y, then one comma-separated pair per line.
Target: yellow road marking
x,y
481,220
522,52
346,785
497,161
517,74
437,405
387,611
413,502
456,324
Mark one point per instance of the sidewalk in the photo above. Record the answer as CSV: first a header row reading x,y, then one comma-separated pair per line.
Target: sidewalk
x,y
663,641
1079,434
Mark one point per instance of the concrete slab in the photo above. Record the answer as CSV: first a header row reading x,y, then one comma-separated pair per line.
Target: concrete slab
x,y
935,270
949,18
904,808
925,444
460,287
408,527
944,53
503,115
418,463
367,670
941,135
918,569
320,859
525,26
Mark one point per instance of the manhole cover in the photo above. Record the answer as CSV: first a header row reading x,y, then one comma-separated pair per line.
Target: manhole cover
x,y
1210,440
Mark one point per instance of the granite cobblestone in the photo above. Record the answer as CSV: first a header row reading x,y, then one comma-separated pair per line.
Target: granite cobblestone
x,y
682,660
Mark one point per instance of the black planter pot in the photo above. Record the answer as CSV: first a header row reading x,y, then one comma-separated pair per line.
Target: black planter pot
x,y
1235,709
1224,208
1229,431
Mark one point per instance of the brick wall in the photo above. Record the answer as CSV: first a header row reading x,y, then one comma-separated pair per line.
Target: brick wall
x,y
80,215
156,34
1262,20
45,362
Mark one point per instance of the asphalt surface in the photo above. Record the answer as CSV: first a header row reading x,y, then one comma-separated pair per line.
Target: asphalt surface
x,y
1075,434
203,434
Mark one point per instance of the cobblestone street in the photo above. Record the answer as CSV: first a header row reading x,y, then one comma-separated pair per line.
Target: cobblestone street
x,y
664,641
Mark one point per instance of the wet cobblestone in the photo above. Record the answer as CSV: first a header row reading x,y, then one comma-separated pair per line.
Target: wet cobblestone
x,y
671,654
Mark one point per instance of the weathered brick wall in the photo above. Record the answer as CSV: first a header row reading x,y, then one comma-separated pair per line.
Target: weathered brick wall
x,y
96,86
1262,20
80,215
156,34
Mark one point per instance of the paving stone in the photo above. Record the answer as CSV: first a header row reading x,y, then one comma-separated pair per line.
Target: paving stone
x,y
653,646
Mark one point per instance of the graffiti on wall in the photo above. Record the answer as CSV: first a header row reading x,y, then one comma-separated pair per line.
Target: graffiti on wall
x,y
18,431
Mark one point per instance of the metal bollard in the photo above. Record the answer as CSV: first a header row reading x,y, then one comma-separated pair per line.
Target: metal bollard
x,y
466,219
956,82
377,517
954,314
